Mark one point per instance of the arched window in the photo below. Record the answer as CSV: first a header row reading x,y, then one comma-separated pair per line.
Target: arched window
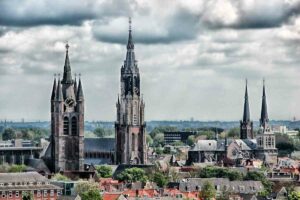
x,y
66,125
133,141
74,126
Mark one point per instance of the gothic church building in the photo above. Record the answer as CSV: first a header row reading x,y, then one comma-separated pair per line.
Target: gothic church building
x,y
130,124
66,149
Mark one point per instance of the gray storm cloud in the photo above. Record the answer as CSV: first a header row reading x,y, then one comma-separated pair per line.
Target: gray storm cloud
x,y
194,53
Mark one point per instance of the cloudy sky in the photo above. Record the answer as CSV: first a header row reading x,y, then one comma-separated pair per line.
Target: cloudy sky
x,y
193,55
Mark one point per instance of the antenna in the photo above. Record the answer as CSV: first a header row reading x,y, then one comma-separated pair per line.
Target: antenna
x,y
67,46
129,23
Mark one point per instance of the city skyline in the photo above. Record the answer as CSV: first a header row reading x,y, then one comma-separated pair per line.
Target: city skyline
x,y
206,60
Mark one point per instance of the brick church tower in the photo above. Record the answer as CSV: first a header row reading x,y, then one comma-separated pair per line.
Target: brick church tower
x,y
67,122
130,125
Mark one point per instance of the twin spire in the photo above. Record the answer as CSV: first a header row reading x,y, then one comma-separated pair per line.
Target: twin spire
x,y
264,111
57,91
246,116
264,119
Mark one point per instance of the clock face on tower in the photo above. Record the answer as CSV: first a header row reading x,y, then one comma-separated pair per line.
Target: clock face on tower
x,y
69,102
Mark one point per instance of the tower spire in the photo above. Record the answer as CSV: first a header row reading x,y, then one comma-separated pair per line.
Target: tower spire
x,y
53,89
130,44
130,55
246,115
79,95
75,84
59,93
264,119
67,76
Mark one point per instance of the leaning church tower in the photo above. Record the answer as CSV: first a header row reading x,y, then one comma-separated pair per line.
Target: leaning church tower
x,y
67,122
130,125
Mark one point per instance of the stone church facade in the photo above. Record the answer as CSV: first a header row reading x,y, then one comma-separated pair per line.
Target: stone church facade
x,y
67,123
243,150
130,124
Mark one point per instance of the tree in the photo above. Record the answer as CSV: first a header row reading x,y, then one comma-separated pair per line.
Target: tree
x,y
218,172
100,132
60,177
27,134
91,194
133,175
160,179
234,133
149,140
191,140
8,134
259,176
158,140
208,133
177,143
17,168
161,130
294,195
88,191
208,191
104,171
27,196
285,147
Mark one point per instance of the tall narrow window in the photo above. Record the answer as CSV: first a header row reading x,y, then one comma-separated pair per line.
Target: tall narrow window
x,y
74,126
66,125
133,141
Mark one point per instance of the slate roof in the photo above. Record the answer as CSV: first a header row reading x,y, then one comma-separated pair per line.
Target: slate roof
x,y
25,176
99,144
205,145
240,187
38,164
195,184
246,187
219,145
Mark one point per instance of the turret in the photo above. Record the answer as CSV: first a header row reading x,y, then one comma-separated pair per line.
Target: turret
x,y
59,93
53,94
79,96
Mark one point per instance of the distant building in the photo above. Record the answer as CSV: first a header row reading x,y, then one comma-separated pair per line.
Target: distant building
x,y
285,131
130,124
18,151
13,185
177,136
239,151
